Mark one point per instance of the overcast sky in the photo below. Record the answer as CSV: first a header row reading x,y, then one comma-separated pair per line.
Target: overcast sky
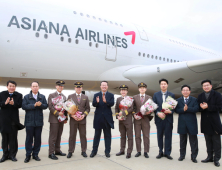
x,y
195,21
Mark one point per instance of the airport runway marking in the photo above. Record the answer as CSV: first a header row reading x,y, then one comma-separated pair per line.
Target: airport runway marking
x,y
91,140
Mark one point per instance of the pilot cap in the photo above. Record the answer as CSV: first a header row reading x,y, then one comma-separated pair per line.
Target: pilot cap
x,y
142,85
123,87
60,83
78,84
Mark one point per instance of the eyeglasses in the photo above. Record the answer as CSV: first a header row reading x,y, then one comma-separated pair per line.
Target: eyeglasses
x,y
185,90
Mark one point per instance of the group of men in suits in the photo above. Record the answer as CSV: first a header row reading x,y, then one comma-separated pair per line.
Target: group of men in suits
x,y
209,103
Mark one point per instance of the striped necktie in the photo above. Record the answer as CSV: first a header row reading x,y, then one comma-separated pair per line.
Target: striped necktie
x,y
78,97
142,99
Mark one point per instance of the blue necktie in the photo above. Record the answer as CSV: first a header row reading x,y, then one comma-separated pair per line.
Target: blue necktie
x,y
186,101
11,94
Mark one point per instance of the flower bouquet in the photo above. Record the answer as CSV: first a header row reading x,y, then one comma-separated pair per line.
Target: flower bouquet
x,y
149,106
123,106
70,107
58,105
170,104
138,116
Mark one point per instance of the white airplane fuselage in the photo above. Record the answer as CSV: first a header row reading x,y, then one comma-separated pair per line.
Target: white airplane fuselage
x,y
47,44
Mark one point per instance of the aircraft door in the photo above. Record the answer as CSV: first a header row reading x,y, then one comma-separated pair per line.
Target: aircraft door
x,y
111,48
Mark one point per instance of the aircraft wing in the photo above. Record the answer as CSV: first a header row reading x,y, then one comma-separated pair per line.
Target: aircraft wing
x,y
178,74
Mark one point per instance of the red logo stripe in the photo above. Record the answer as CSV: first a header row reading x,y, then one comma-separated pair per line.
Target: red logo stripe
x,y
133,35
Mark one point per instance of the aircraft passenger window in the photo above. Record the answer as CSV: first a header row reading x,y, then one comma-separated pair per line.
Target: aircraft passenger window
x,y
116,24
81,14
37,34
88,16
168,60
94,17
174,61
152,56
121,25
148,56
111,22
144,54
77,41
171,60
97,45
69,40
159,58
74,12
177,61
163,59
139,54
45,36
100,19
62,38
105,20
156,57
90,44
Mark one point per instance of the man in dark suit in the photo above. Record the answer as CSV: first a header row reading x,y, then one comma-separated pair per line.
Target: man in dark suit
x,y
10,102
82,102
210,103
56,127
33,103
187,122
125,125
164,127
103,118
142,124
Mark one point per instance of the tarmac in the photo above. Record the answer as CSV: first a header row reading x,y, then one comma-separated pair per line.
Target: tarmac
x,y
100,162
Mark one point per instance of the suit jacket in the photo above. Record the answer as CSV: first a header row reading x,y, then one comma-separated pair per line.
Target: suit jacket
x,y
54,114
187,120
9,114
210,118
103,117
138,104
157,98
129,110
83,107
34,115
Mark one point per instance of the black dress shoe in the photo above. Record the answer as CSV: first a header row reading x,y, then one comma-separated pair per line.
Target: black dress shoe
x,y
107,155
194,160
84,154
60,153
120,153
27,159
181,158
13,159
92,154
159,156
168,157
207,160
53,157
216,163
138,154
128,155
3,159
146,155
69,155
36,158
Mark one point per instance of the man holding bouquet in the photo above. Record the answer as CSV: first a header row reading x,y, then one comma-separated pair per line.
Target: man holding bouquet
x,y
187,122
124,115
82,102
143,123
56,127
163,120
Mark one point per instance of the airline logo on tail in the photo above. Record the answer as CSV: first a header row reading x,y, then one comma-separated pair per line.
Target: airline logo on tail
x,y
133,35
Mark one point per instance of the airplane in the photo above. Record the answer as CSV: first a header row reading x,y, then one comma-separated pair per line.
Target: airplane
x,y
46,44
